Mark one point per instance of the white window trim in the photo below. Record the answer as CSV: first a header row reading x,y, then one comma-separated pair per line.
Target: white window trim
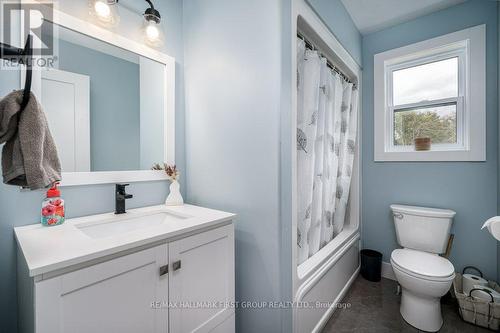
x,y
470,47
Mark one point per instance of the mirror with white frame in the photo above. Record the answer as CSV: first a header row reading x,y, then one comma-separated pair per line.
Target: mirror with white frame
x,y
109,104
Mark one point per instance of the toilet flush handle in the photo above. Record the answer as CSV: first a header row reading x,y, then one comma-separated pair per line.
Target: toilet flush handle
x,y
399,216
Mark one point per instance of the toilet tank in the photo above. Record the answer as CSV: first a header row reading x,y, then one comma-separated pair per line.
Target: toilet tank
x,y
421,228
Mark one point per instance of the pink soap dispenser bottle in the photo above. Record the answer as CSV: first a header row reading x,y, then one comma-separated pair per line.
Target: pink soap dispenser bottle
x,y
53,207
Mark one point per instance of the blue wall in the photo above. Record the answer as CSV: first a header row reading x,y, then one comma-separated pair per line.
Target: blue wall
x,y
469,188
21,208
114,106
336,17
498,190
233,82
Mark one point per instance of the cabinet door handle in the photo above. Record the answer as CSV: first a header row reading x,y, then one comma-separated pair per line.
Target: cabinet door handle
x,y
163,270
176,265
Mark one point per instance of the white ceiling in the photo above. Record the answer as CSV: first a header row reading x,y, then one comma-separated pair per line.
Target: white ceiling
x,y
374,15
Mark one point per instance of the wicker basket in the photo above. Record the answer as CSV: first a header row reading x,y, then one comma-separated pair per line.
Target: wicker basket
x,y
475,310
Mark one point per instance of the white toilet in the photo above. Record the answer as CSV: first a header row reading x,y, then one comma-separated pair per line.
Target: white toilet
x,y
423,275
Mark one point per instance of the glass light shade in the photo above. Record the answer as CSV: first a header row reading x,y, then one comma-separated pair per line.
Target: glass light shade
x,y
152,33
105,12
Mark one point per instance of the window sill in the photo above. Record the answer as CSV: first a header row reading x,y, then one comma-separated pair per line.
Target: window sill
x,y
430,156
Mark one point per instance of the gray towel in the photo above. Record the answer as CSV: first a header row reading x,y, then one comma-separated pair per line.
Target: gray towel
x,y
29,156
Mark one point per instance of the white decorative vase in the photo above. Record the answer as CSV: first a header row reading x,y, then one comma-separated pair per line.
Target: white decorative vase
x,y
174,197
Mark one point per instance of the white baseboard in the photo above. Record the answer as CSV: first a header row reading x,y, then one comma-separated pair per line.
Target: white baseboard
x,y
387,271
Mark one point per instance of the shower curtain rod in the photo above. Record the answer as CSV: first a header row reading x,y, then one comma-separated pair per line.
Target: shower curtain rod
x,y
313,47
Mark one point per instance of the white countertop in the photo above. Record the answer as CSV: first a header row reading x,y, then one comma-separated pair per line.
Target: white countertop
x,y
47,249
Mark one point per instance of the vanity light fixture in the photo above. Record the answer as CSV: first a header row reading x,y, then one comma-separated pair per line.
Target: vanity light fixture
x,y
106,14
105,11
151,25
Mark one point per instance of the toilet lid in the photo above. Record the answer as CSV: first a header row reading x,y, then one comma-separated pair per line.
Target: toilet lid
x,y
423,263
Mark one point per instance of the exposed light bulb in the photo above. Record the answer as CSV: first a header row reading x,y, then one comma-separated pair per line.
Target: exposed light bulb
x,y
152,32
102,10
105,12
151,26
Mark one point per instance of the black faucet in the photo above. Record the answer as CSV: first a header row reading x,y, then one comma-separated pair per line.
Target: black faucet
x,y
120,197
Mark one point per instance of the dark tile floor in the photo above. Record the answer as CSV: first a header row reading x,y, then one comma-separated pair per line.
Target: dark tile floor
x,y
374,308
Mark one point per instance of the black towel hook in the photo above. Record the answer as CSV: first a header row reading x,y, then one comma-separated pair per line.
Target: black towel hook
x,y
28,53
22,56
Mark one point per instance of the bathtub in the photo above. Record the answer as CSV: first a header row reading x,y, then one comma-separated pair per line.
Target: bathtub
x,y
323,280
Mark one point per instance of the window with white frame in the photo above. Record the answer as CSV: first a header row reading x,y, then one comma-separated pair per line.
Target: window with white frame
x,y
434,91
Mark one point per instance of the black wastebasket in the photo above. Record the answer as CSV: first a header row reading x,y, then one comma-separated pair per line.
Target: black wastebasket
x,y
371,265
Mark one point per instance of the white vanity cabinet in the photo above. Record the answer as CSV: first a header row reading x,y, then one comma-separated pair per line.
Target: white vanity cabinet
x,y
182,284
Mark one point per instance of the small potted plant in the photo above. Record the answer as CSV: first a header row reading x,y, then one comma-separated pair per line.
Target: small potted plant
x,y
422,143
174,198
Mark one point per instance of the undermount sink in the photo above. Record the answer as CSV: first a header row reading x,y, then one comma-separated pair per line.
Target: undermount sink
x,y
125,223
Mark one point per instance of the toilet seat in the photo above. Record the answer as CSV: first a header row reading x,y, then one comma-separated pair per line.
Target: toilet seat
x,y
423,265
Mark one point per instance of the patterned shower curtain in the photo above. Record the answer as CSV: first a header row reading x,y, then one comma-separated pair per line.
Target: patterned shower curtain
x,y
326,138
